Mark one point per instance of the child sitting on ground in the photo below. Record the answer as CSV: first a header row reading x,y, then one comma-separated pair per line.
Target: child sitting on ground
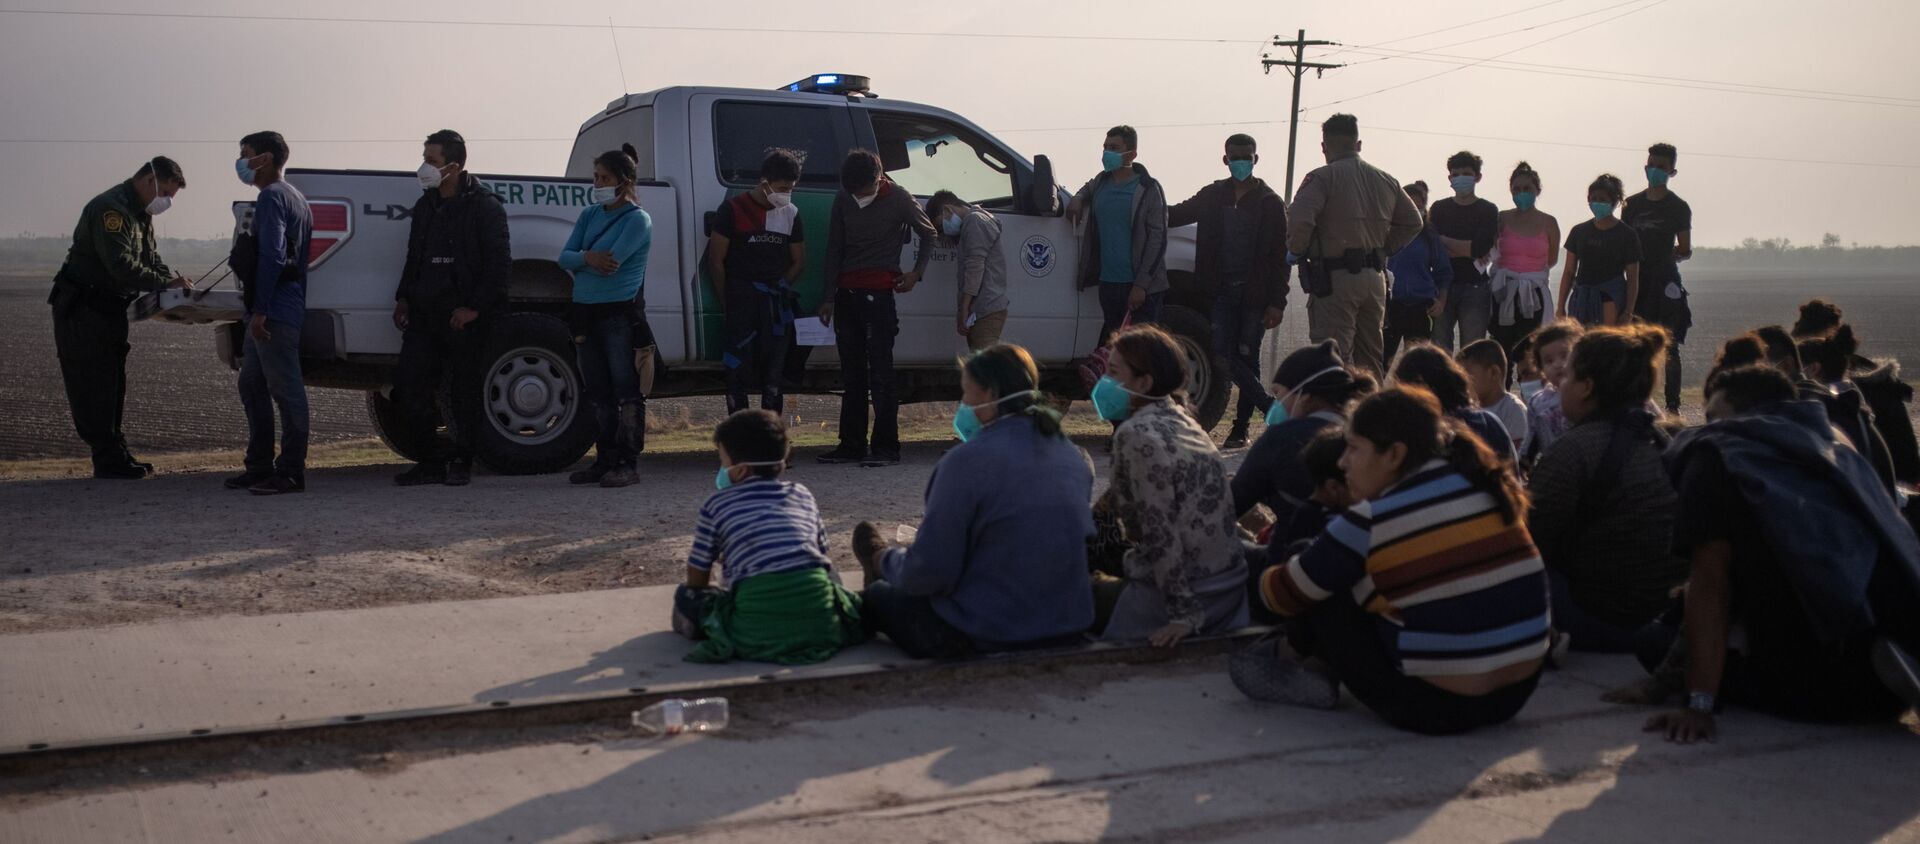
x,y
1486,366
783,603
1526,371
1552,349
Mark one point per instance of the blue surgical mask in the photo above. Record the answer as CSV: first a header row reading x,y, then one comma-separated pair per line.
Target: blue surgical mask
x,y
1601,210
1657,176
723,478
966,419
1523,199
1278,412
1241,168
1461,184
950,225
1110,160
1529,389
246,174
1113,402
604,195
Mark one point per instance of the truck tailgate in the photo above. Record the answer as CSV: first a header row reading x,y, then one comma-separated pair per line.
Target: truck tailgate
x,y
188,307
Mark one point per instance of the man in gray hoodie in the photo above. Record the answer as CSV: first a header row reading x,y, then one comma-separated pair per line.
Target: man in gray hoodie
x,y
1123,247
870,219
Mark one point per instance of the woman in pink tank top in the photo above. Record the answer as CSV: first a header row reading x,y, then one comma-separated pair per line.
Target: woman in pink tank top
x,y
1529,246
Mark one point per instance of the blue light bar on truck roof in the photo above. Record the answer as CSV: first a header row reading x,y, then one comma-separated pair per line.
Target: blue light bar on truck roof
x,y
833,83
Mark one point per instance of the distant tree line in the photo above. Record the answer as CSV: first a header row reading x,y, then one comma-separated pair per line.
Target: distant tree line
x,y
1782,252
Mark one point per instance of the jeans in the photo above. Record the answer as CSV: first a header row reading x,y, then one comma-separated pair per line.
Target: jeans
x,y
1469,310
269,377
92,346
1237,332
865,325
611,384
1589,633
1407,319
1353,317
758,328
427,356
1113,308
909,620
1348,640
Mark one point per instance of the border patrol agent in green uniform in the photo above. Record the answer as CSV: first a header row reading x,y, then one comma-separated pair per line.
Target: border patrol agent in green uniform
x,y
113,260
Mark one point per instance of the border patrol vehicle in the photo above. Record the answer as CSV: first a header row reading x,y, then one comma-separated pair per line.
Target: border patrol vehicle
x,y
697,147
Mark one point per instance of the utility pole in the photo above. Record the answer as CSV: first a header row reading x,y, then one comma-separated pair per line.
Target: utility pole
x,y
1297,67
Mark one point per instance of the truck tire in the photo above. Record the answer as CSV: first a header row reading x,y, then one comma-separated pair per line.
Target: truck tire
x,y
535,413
1206,383
396,433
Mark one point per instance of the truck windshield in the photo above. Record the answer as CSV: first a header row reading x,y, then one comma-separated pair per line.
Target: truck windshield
x,y
633,126
926,154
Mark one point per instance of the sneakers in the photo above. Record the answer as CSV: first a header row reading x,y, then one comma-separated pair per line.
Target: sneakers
x,y
882,457
687,627
246,480
842,454
619,477
1270,672
590,475
867,547
118,472
1236,438
422,474
459,473
278,485
1898,670
1558,648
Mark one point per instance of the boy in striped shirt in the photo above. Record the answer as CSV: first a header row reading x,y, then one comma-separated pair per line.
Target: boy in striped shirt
x,y
782,602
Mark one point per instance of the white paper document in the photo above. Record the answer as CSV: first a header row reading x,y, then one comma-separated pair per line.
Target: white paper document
x,y
810,331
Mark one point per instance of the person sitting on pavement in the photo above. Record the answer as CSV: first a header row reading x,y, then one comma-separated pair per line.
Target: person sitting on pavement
x,y
1185,572
1485,363
1527,380
1879,383
1828,362
1428,366
1546,421
1849,412
1000,559
1427,599
783,603
1813,616
1311,390
1603,506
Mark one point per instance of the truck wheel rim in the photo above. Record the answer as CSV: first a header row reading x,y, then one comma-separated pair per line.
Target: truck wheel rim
x,y
1199,368
531,396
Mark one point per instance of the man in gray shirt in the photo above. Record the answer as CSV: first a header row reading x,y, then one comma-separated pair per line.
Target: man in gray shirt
x,y
982,314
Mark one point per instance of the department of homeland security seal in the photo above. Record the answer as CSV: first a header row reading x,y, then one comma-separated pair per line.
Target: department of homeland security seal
x,y
1036,256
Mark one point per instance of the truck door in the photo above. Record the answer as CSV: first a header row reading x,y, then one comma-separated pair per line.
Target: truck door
x,y
730,136
926,153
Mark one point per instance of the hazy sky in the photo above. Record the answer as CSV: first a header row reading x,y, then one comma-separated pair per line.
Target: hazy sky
x,y
362,94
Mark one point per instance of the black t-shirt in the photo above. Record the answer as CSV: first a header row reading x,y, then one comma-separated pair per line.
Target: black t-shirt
x,y
1478,222
1659,223
758,238
1604,255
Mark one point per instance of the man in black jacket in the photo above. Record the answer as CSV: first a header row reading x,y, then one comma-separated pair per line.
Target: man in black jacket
x,y
1241,259
452,288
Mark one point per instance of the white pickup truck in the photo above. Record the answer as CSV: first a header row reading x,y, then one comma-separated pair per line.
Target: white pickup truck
x,y
697,147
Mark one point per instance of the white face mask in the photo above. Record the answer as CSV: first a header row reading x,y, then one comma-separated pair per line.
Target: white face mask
x,y
864,201
780,200
602,196
159,205
430,176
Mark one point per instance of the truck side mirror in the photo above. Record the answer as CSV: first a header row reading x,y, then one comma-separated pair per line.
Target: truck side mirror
x,y
1043,195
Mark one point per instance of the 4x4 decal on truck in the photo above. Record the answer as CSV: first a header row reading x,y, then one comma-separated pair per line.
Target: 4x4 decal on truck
x,y
1036,255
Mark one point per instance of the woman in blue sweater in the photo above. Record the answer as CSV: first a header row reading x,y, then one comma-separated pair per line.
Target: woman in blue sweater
x,y
607,255
1000,561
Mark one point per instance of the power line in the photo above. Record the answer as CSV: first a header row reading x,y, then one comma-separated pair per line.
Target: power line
x,y
1514,13
1528,28
640,27
232,142
1372,128
1492,57
1647,78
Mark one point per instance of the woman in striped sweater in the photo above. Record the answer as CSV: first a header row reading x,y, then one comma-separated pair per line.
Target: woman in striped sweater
x,y
1428,599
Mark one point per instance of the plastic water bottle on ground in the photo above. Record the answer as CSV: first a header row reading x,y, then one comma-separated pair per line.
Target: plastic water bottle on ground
x,y
675,716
